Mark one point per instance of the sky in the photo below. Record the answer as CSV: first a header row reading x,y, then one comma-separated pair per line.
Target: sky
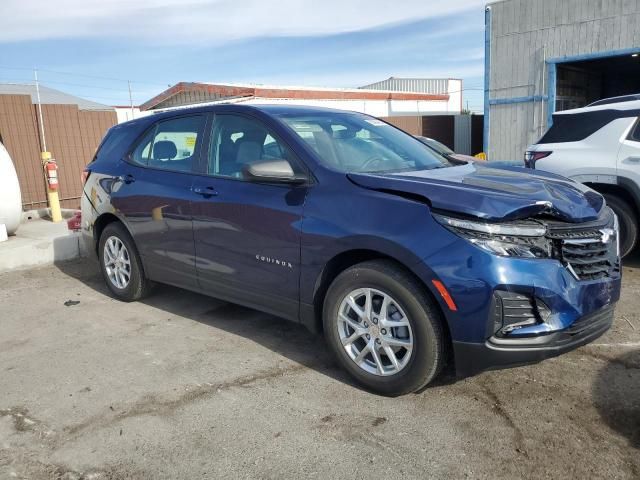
x,y
93,48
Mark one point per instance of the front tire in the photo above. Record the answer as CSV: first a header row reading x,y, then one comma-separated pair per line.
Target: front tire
x,y
121,265
628,223
383,328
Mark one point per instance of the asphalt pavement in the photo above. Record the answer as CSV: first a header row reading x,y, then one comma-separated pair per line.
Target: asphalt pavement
x,y
186,386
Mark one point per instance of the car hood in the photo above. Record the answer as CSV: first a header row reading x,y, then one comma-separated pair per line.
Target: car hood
x,y
490,193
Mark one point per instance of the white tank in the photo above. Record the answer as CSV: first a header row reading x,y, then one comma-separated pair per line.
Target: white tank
x,y
10,198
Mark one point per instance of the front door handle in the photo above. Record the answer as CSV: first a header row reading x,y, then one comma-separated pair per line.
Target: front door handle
x,y
206,192
126,179
632,160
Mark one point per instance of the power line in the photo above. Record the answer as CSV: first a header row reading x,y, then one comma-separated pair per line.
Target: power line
x,y
75,74
56,82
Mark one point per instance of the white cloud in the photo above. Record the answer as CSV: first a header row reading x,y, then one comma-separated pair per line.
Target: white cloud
x,y
209,21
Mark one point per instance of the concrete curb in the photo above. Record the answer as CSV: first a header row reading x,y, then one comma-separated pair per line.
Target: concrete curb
x,y
39,243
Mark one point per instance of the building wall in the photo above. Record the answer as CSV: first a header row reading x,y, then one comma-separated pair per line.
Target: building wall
x,y
124,114
526,38
72,137
452,87
377,108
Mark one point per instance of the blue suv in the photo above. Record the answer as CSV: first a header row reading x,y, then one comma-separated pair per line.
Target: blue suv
x,y
337,220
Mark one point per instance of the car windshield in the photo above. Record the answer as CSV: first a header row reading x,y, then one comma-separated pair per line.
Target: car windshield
x,y
352,142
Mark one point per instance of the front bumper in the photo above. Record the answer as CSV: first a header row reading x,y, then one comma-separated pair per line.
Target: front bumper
x,y
498,353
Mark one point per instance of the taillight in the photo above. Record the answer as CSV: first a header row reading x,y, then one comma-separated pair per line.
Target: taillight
x,y
530,158
75,223
85,175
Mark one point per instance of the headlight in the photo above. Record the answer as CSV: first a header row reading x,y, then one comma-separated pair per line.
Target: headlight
x,y
518,239
616,229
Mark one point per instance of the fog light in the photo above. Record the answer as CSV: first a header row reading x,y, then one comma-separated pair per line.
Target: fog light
x,y
512,311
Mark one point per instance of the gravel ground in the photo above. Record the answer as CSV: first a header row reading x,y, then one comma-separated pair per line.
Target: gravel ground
x,y
185,386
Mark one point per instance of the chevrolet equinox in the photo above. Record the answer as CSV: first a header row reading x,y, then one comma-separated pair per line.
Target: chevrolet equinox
x,y
404,259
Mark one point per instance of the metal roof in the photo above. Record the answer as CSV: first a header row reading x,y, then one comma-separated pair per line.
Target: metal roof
x,y
50,96
215,92
434,86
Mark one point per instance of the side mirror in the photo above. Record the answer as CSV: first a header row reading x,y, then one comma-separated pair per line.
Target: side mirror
x,y
272,171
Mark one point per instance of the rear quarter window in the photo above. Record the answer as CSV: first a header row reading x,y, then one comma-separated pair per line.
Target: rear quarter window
x,y
115,141
635,132
578,126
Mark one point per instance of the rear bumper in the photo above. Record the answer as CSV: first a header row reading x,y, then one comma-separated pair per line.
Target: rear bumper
x,y
498,353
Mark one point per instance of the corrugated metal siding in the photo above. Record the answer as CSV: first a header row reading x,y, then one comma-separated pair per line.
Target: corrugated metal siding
x,y
19,133
520,31
72,138
416,85
462,134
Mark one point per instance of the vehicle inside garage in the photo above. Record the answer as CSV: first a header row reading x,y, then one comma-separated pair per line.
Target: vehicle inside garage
x,y
583,82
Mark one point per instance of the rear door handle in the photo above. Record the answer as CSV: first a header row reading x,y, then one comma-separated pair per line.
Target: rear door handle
x,y
206,192
632,160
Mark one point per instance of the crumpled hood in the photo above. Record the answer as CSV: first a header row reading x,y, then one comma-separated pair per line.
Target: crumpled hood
x,y
490,193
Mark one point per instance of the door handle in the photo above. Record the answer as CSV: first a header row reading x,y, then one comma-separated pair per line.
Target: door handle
x,y
126,179
206,192
632,160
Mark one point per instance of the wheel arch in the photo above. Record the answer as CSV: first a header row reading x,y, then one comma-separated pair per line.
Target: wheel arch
x,y
346,259
101,223
624,188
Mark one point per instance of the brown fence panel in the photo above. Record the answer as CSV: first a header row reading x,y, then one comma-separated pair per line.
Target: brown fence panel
x,y
64,141
477,134
72,137
410,124
19,132
440,128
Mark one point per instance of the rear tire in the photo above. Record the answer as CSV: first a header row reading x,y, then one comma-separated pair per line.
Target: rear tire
x,y
407,303
121,265
628,223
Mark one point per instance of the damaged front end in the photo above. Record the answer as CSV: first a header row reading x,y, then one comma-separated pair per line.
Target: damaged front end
x,y
589,250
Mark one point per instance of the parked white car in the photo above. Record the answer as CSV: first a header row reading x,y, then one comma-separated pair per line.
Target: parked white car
x,y
598,145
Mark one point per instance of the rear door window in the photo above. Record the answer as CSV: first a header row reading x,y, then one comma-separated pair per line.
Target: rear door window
x,y
171,144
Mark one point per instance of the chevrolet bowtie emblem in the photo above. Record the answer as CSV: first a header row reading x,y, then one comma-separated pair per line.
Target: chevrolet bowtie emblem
x,y
606,235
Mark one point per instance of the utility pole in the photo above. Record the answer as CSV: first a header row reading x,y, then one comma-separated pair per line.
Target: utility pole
x,y
131,100
48,164
41,122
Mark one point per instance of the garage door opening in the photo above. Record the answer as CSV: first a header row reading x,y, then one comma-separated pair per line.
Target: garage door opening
x,y
580,83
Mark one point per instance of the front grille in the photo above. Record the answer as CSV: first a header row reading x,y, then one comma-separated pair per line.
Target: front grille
x,y
589,253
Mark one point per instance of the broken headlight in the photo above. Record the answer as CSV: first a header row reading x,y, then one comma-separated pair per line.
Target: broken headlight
x,y
516,239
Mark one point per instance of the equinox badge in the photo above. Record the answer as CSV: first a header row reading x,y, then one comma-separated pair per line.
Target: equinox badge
x,y
274,261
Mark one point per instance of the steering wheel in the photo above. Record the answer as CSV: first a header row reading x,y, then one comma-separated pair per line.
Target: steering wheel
x,y
371,162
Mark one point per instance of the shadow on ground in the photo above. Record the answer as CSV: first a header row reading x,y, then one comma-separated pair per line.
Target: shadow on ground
x,y
285,338
616,394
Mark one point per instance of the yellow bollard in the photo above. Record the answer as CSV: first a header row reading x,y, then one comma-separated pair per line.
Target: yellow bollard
x,y
52,195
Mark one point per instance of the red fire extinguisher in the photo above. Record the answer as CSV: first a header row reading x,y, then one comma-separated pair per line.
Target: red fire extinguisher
x,y
51,173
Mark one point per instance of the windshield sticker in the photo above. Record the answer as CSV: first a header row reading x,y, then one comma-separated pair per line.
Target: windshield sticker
x,y
375,123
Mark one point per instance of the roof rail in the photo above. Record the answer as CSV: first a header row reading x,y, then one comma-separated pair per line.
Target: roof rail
x,y
621,99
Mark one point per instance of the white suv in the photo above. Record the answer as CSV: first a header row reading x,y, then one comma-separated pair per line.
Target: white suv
x,y
598,145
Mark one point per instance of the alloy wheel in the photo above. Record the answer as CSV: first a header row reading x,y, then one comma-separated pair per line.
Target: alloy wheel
x,y
117,262
375,331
